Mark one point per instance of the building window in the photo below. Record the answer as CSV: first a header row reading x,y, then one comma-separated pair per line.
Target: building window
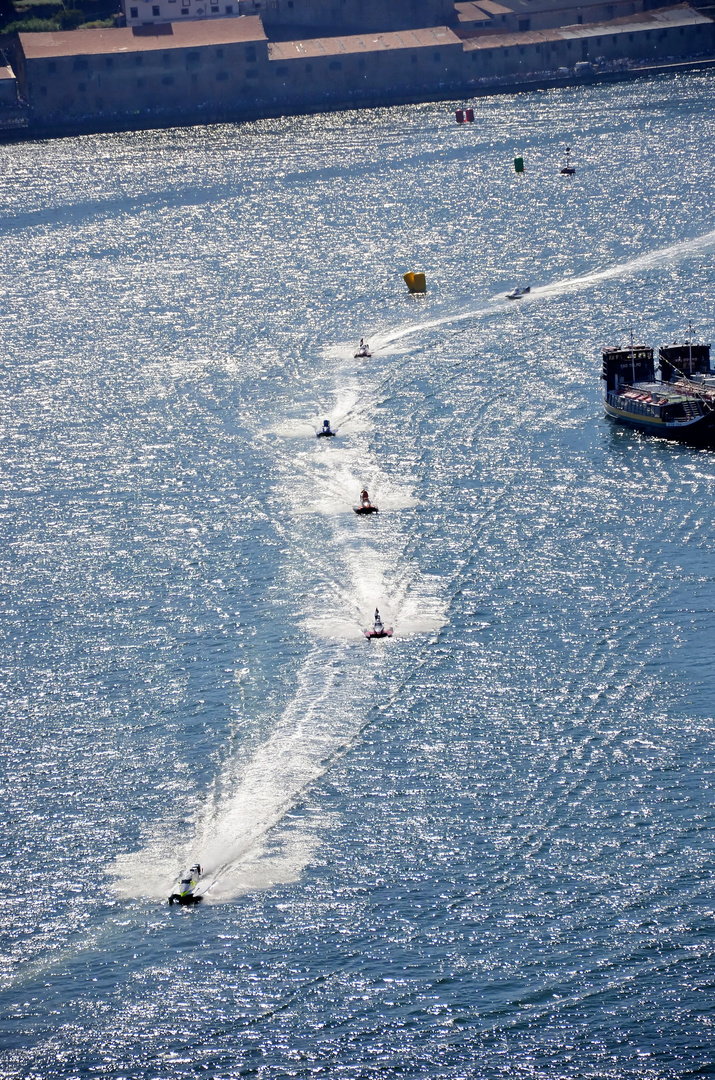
x,y
309,69
229,9
109,62
155,10
282,70
598,41
506,52
138,61
193,58
525,24
214,9
80,64
436,57
52,67
221,76
133,13
414,58
630,37
335,65
579,20
184,11
290,3
166,57
521,51
250,54
219,54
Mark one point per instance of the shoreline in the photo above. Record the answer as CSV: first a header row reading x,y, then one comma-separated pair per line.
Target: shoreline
x,y
22,128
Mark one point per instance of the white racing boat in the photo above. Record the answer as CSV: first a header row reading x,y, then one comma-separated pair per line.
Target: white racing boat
x,y
378,629
516,294
186,888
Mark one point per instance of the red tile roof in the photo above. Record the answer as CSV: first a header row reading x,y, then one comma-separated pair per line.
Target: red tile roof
x,y
178,35
363,43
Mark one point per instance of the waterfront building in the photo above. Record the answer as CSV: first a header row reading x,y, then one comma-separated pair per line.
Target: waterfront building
x,y
8,85
226,69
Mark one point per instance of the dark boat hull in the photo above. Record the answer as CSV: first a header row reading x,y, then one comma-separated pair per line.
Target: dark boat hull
x,y
700,430
365,509
370,634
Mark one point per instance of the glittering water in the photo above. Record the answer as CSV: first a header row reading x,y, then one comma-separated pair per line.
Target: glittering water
x,y
482,849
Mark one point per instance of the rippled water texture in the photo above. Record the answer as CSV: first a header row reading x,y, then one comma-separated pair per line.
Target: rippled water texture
x,y
482,849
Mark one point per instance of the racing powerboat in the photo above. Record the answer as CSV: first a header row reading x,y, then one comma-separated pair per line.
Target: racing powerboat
x,y
327,432
363,350
378,630
365,506
516,294
185,888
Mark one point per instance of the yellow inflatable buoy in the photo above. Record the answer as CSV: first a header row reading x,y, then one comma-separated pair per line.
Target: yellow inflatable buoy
x,y
415,282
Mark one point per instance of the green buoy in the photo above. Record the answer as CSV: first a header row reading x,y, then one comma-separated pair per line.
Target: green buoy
x,y
519,164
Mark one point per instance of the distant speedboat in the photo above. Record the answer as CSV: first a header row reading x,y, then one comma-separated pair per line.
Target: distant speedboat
x,y
363,351
327,432
185,888
378,630
516,294
365,506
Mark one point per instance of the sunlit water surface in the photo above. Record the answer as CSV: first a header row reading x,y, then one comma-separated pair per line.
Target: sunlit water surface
x,y
482,849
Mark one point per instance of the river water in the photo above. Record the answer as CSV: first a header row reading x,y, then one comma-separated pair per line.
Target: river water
x,y
481,849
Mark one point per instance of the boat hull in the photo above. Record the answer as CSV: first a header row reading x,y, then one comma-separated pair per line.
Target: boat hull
x,y
365,509
699,430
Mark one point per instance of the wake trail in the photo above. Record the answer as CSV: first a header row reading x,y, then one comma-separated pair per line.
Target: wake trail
x,y
249,798
701,245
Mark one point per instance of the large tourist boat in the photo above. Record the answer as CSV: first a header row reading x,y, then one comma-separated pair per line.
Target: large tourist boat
x,y
677,402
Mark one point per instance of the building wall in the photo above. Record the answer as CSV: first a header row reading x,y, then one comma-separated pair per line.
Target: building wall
x,y
366,75
248,78
151,12
612,44
334,16
188,79
8,87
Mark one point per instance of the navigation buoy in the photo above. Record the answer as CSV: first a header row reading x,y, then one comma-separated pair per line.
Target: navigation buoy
x,y
459,116
519,164
469,116
415,282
